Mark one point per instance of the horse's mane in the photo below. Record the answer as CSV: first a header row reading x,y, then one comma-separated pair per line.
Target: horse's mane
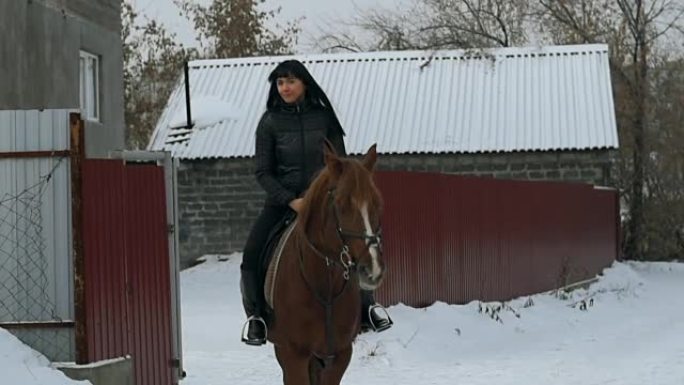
x,y
314,200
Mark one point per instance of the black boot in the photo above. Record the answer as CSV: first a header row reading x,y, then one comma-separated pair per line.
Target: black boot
x,y
370,318
253,302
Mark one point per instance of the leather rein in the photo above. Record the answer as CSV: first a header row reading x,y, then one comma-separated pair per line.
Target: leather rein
x,y
346,262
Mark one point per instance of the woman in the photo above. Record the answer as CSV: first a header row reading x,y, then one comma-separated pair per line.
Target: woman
x,y
289,152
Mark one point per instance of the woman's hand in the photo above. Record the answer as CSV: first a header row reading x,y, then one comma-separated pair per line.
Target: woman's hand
x,y
297,204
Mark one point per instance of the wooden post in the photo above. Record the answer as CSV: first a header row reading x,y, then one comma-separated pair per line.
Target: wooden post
x,y
77,156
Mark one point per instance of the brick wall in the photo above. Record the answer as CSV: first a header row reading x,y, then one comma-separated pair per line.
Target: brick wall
x,y
219,199
584,166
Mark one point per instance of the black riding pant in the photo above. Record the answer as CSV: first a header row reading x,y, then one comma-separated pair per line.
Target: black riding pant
x,y
265,223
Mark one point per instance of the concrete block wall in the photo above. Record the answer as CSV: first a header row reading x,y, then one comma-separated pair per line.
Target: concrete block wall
x,y
218,202
219,199
578,166
40,43
118,371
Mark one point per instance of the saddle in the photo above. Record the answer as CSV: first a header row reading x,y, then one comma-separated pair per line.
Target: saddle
x,y
270,255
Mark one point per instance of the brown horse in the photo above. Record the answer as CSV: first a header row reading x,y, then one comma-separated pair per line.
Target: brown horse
x,y
334,250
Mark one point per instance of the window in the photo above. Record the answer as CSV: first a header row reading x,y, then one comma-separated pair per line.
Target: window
x,y
89,75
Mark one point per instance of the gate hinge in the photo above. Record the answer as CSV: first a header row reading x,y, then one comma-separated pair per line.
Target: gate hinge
x,y
174,362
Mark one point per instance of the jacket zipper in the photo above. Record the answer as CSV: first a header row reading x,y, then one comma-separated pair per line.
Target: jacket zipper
x,y
301,136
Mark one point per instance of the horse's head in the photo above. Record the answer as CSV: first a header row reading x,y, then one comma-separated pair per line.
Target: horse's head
x,y
352,208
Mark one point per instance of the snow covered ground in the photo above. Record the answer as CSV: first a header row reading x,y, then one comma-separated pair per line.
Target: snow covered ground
x,y
632,332
20,365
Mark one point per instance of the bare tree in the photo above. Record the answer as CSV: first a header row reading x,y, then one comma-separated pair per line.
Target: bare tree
x,y
152,63
664,169
237,28
474,23
436,24
153,59
383,29
633,29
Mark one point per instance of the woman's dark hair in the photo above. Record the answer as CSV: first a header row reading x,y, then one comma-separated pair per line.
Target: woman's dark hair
x,y
314,93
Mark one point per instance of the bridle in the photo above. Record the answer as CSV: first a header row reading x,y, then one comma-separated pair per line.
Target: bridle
x,y
374,239
346,261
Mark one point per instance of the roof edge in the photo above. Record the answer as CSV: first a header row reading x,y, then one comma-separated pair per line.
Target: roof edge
x,y
408,55
487,152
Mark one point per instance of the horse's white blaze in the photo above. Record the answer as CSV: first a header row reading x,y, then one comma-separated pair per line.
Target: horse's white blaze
x,y
373,249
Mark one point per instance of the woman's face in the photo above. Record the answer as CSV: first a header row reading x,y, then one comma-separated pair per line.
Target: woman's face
x,y
291,89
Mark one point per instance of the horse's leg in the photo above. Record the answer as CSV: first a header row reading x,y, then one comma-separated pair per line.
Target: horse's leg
x,y
315,368
294,364
332,375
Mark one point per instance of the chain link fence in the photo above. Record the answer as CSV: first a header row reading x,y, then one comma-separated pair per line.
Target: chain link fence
x,y
28,306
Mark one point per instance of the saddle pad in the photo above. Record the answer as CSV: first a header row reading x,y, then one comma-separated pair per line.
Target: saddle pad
x,y
272,271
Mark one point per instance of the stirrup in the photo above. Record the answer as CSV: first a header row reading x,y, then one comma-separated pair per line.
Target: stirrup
x,y
245,330
379,328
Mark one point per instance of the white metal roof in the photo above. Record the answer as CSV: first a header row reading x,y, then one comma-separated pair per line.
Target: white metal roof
x,y
507,99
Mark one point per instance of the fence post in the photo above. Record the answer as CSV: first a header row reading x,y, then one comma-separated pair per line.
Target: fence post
x,y
77,155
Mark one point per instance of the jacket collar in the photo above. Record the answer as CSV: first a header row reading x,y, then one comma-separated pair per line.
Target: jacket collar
x,y
294,108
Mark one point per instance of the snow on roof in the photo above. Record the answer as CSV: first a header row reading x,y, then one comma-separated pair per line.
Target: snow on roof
x,y
461,101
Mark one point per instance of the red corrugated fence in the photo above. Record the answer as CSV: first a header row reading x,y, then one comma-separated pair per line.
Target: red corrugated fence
x,y
446,238
456,239
127,269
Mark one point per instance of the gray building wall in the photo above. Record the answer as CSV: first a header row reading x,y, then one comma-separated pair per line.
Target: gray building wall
x,y
40,42
219,199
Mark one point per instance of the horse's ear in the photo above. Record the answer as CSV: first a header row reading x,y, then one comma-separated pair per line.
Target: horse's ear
x,y
332,161
328,147
370,158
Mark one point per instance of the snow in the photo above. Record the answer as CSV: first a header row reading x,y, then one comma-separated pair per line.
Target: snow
x,y
206,111
632,332
94,365
20,365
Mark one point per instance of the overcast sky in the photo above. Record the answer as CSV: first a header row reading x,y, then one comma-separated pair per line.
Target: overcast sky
x,y
318,15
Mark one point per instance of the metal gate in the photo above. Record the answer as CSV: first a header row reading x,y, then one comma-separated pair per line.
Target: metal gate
x,y
88,262
131,278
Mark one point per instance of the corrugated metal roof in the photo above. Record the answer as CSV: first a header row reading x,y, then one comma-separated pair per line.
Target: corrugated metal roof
x,y
507,99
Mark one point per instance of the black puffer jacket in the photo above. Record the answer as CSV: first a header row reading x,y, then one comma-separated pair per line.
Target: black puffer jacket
x,y
289,149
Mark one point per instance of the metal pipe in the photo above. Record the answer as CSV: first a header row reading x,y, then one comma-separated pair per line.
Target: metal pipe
x,y
187,95
139,156
37,325
35,154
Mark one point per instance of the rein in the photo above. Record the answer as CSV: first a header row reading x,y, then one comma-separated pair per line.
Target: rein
x,y
346,262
